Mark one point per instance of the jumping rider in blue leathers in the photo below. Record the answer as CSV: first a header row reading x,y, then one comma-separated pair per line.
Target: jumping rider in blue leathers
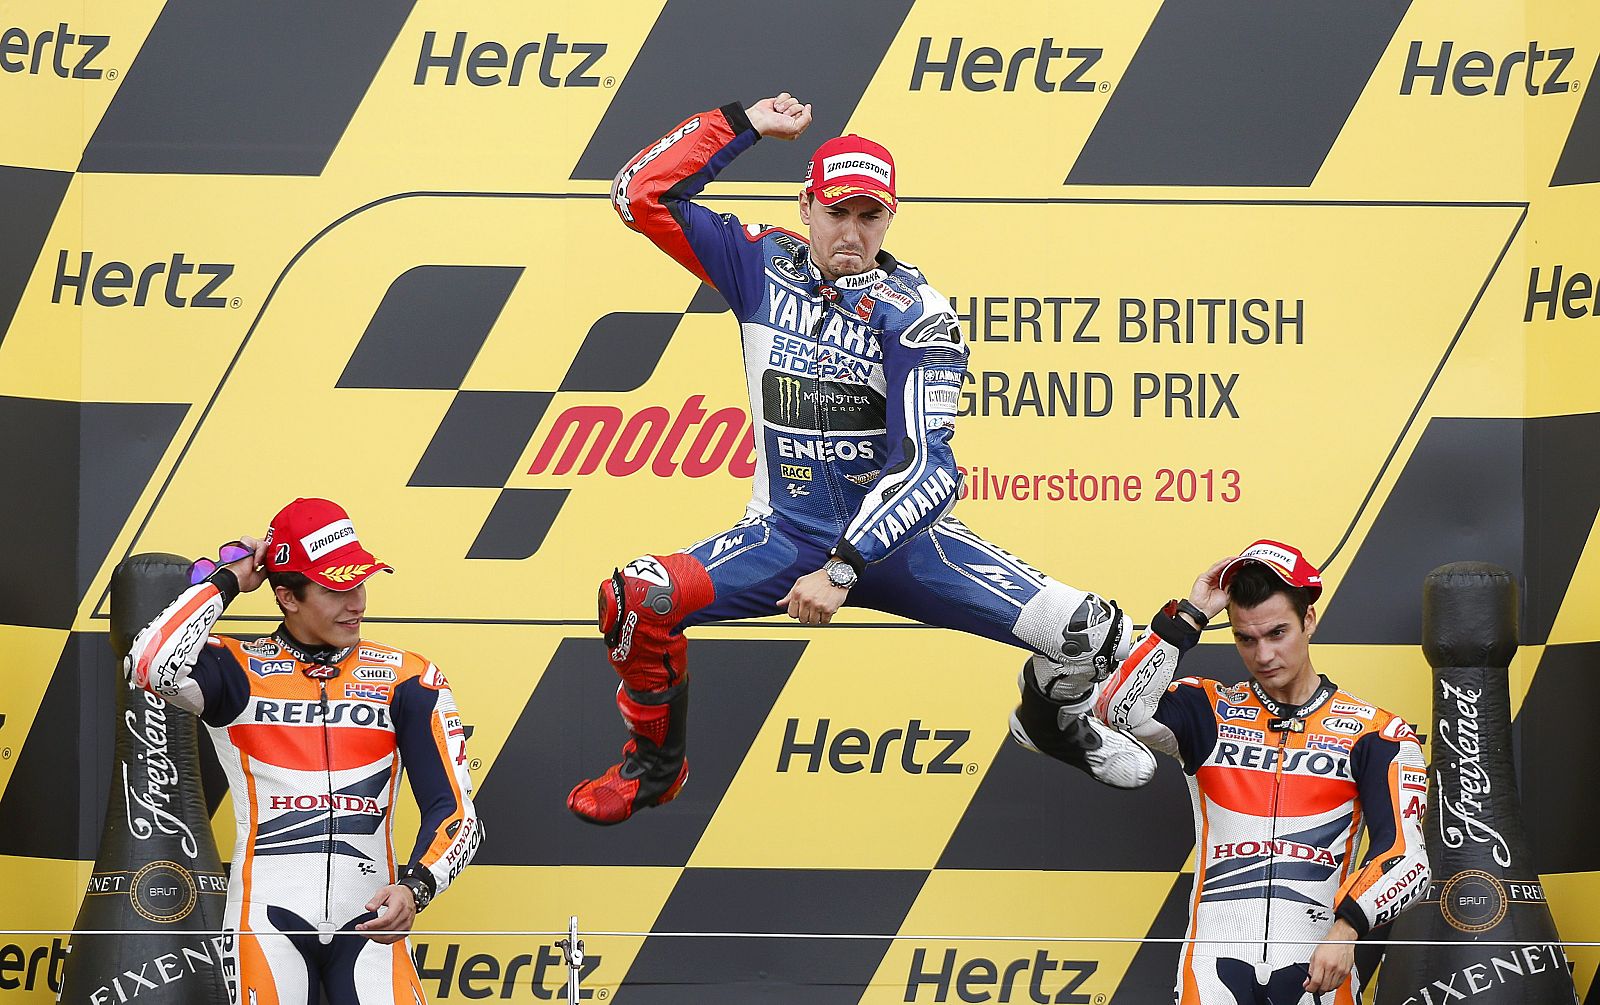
x,y
854,366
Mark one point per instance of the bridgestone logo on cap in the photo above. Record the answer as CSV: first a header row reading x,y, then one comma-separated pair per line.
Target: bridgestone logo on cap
x,y
833,167
1282,558
320,542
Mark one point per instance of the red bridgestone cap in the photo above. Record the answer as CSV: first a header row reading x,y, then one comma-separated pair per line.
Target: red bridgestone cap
x,y
315,537
1283,559
849,166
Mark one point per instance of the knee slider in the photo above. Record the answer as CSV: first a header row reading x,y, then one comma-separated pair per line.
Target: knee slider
x,y
1076,629
640,605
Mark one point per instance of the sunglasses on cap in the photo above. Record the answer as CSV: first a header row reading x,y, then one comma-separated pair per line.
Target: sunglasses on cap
x,y
201,568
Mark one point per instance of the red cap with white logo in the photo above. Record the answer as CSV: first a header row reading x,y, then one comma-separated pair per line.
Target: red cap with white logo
x,y
315,537
1286,561
849,166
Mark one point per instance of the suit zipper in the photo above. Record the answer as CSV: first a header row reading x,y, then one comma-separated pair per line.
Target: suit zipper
x,y
834,497
1272,862
327,764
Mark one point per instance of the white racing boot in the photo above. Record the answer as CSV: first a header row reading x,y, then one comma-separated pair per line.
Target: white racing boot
x,y
1068,732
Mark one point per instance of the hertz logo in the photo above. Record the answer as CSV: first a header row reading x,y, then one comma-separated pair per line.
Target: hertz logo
x,y
20,54
110,282
486,59
983,65
1037,979
484,975
1472,73
852,750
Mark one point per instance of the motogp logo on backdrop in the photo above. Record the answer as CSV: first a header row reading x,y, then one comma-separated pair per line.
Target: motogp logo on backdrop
x,y
693,441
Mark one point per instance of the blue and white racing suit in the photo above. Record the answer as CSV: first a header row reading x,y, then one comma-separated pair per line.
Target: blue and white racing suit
x,y
853,387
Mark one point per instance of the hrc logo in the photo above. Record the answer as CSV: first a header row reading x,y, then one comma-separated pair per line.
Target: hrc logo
x,y
367,692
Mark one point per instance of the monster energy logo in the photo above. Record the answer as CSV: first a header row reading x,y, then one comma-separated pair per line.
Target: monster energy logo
x,y
794,401
789,398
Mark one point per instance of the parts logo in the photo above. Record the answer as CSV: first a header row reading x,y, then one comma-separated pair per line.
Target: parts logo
x,y
551,62
1045,67
59,52
851,750
650,438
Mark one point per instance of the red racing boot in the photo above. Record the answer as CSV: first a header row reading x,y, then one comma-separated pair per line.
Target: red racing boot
x,y
653,767
640,606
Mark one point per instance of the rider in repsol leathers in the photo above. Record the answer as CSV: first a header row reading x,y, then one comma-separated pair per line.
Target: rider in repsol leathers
x,y
313,726
1283,771
854,366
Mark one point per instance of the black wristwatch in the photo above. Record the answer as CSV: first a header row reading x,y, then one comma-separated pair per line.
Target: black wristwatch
x,y
420,882
1199,616
840,573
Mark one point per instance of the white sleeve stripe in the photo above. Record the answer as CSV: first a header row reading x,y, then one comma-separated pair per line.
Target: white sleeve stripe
x,y
875,506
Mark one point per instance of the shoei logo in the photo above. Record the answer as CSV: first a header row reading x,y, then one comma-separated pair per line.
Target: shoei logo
x,y
914,749
1037,978
694,442
320,542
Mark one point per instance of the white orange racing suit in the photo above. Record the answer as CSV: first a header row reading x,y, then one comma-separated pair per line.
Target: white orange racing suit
x,y
313,741
1280,795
